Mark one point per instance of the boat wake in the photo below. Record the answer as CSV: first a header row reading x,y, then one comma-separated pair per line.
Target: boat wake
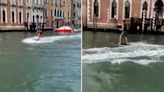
x,y
50,39
138,52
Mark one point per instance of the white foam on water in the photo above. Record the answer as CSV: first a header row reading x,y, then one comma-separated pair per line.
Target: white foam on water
x,y
50,39
138,52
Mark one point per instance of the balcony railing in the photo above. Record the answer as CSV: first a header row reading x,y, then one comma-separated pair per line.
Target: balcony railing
x,y
58,17
38,6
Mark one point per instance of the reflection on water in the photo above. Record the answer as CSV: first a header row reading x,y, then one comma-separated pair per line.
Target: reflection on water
x,y
39,67
108,67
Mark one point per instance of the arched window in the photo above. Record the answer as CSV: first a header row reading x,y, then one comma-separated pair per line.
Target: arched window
x,y
55,2
96,8
51,13
20,17
63,3
144,9
28,15
55,12
145,5
114,9
60,3
4,16
37,18
68,14
63,13
13,20
40,18
60,13
33,18
74,14
159,8
127,9
41,2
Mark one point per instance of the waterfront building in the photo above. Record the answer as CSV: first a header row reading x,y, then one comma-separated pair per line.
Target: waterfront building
x,y
141,15
37,12
20,14
76,13
57,12
14,14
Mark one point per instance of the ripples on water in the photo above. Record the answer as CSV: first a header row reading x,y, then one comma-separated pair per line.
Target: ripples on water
x,y
137,67
39,67
138,52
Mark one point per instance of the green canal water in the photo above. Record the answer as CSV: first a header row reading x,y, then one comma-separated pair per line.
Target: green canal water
x,y
108,67
39,67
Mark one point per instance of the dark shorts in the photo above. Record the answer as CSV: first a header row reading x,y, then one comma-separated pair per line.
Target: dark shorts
x,y
124,33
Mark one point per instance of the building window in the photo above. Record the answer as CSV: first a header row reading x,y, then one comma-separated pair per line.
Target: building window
x,y
63,3
60,13
20,17
33,18
144,10
145,5
37,18
20,1
60,3
12,2
159,9
96,8
55,12
114,9
127,9
74,14
63,13
45,12
4,16
41,2
55,2
52,2
40,18
28,15
13,20
37,2
4,1
51,13
68,14
28,1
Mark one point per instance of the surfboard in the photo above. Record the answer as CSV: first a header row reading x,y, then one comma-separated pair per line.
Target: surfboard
x,y
122,44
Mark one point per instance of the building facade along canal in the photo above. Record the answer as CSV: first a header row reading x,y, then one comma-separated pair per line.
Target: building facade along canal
x,y
146,15
17,14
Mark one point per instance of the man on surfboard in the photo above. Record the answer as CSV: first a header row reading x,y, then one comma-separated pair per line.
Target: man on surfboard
x,y
123,33
39,33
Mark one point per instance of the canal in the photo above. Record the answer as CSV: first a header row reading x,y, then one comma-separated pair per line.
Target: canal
x,y
108,67
39,67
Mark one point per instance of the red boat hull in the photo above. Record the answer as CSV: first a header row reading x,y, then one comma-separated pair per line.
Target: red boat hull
x,y
64,31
